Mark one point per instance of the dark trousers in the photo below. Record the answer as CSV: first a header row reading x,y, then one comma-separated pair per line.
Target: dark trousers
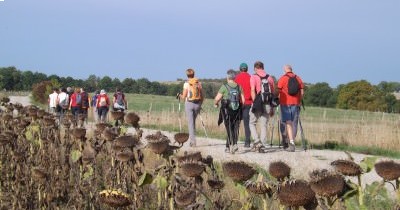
x,y
246,121
102,113
232,123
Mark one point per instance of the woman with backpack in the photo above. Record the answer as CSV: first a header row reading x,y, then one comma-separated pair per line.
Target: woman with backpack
x,y
102,104
231,97
193,95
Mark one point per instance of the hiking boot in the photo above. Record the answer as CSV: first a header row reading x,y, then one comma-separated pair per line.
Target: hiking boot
x,y
235,148
285,145
227,150
291,148
247,145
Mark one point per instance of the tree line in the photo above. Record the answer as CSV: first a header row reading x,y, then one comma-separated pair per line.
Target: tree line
x,y
357,95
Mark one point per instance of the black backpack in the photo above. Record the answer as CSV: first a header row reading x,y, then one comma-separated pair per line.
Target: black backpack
x,y
234,97
266,95
293,85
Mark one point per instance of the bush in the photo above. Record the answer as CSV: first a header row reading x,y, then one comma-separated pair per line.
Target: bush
x,y
41,91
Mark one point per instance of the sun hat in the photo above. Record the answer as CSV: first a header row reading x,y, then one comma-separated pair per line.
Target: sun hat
x,y
102,92
243,66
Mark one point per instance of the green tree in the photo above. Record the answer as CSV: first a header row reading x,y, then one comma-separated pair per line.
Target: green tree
x,y
128,85
361,95
319,94
106,83
92,83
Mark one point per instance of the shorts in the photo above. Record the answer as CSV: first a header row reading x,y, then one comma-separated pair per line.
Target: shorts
x,y
289,112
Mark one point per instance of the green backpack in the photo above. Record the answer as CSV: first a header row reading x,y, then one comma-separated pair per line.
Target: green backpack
x,y
234,97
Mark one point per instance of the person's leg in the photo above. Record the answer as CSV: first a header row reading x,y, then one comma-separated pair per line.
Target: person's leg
x,y
189,109
263,127
246,120
296,114
236,127
253,126
287,117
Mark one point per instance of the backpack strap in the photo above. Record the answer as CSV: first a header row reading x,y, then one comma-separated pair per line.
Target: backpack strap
x,y
266,76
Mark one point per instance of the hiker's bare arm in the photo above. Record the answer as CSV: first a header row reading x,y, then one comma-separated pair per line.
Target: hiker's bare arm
x,y
253,93
242,97
184,94
217,99
301,93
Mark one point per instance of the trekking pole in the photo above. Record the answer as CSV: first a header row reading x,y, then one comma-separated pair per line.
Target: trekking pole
x,y
179,114
202,123
303,138
273,127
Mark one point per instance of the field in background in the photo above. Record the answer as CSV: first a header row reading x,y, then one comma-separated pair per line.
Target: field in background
x,y
347,127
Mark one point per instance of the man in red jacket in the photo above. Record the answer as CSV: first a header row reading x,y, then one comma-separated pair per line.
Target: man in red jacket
x,y
290,102
243,80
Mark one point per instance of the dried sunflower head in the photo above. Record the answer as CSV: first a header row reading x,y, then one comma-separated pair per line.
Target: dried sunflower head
x,y
114,198
181,137
258,187
295,193
132,119
279,170
185,198
347,167
238,171
192,168
125,156
117,115
196,156
388,170
79,132
215,184
326,184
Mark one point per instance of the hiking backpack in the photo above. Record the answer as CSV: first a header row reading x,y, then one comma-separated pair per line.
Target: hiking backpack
x,y
293,85
234,97
102,100
64,103
78,99
194,93
84,100
120,99
266,95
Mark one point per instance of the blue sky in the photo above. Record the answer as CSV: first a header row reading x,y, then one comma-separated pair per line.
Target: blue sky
x,y
325,41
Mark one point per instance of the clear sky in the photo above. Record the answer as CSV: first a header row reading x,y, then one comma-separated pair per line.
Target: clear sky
x,y
325,41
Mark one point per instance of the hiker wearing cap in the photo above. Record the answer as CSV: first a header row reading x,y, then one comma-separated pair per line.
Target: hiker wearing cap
x,y
102,104
261,110
243,80
193,95
291,91
231,97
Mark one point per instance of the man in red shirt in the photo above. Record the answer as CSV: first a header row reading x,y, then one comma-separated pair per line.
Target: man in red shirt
x,y
243,80
290,102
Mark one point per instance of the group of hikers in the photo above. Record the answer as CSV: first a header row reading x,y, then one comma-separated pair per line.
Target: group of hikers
x,y
79,102
251,98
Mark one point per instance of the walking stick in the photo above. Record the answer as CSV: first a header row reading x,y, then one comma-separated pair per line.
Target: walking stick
x,y
303,138
202,123
179,114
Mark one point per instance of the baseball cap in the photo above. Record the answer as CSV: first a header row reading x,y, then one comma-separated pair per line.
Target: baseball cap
x,y
243,66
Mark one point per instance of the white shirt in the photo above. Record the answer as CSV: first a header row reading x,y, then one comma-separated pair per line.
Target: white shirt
x,y
53,100
63,96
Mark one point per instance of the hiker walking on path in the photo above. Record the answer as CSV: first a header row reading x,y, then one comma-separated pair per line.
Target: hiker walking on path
x,y
102,104
243,80
75,103
94,105
63,102
262,89
119,101
291,91
85,105
52,101
231,96
193,95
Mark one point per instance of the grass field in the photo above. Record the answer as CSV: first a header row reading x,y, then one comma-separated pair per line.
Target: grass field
x,y
359,129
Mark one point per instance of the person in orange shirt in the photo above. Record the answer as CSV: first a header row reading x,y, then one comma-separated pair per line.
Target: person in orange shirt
x,y
291,91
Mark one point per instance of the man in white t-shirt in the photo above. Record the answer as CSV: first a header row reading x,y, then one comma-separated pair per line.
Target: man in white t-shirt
x,y
53,101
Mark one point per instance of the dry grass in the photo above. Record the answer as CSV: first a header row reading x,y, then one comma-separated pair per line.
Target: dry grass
x,y
375,130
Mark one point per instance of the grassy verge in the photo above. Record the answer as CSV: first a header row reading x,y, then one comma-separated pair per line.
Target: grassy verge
x,y
358,149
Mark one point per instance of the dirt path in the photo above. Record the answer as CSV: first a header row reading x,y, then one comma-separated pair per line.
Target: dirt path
x,y
24,100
